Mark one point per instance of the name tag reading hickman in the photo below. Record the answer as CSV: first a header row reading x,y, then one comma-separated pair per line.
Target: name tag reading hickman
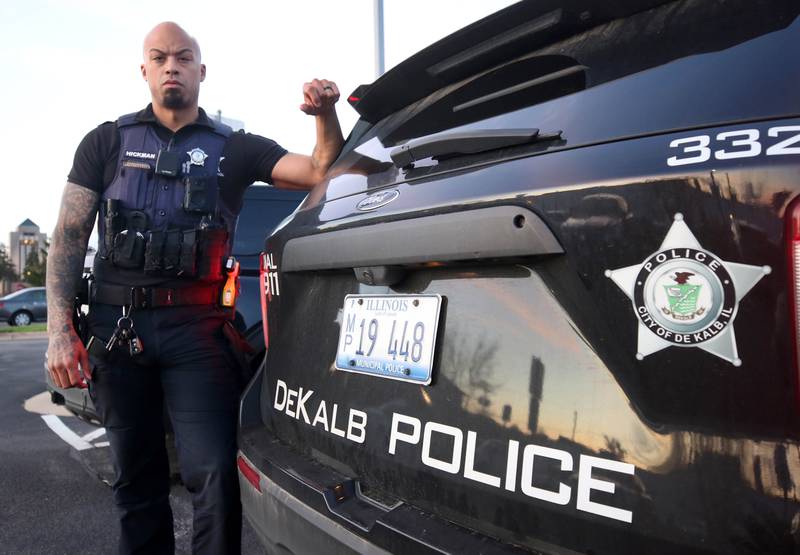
x,y
684,295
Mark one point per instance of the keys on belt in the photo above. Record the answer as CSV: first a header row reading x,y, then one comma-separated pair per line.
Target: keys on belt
x,y
123,336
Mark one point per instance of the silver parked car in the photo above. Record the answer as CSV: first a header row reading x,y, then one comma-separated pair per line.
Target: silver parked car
x,y
23,307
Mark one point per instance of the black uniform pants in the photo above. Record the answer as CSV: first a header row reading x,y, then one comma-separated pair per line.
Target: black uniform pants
x,y
187,364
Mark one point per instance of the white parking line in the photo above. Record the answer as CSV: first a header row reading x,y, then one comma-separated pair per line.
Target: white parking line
x,y
94,435
61,430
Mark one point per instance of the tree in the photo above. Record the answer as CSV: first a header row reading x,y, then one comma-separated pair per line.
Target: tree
x,y
7,270
35,268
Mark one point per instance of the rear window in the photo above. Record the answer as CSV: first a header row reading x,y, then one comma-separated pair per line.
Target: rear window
x,y
263,209
21,295
587,59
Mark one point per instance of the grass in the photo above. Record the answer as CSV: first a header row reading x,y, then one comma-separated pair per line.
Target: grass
x,y
22,329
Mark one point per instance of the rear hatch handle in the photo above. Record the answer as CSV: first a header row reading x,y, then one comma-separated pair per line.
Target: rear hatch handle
x,y
467,142
496,232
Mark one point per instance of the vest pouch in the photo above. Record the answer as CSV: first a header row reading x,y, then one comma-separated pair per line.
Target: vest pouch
x,y
188,256
128,251
154,253
200,194
113,224
172,251
213,249
129,244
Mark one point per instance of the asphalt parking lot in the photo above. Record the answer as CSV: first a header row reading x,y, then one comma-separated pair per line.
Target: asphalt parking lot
x,y
54,498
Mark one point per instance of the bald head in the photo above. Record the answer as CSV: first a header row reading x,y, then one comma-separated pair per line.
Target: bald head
x,y
170,32
172,68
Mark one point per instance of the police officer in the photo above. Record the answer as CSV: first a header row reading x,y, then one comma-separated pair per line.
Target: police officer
x,y
167,183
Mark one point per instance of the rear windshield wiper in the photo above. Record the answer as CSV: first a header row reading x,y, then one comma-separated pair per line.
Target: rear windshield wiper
x,y
469,142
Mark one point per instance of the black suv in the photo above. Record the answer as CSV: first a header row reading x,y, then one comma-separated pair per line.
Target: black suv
x,y
263,209
547,299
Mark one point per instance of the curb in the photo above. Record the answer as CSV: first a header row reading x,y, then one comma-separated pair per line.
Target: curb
x,y
15,336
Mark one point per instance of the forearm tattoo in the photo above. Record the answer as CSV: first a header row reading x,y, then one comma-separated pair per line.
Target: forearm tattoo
x,y
67,253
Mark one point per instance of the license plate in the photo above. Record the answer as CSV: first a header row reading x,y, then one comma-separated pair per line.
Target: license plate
x,y
391,336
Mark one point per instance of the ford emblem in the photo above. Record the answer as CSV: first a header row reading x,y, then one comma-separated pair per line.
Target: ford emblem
x,y
376,200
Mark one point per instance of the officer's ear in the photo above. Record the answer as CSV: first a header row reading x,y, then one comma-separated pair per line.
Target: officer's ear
x,y
144,72
202,72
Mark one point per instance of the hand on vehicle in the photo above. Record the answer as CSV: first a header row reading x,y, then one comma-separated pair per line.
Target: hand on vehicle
x,y
320,96
66,359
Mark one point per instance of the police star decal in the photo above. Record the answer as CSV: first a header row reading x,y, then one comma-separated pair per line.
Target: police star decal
x,y
685,296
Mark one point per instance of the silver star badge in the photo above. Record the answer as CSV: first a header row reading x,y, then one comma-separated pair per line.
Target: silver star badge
x,y
197,157
686,296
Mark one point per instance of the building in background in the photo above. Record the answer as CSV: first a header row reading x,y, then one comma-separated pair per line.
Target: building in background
x,y
25,240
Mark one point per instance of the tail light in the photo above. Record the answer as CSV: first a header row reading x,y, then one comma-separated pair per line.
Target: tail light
x,y
249,472
2,304
793,255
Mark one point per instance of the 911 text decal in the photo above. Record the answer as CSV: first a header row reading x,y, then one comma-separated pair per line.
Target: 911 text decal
x,y
452,450
741,143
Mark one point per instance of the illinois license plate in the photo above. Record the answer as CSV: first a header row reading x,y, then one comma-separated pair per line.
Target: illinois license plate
x,y
391,336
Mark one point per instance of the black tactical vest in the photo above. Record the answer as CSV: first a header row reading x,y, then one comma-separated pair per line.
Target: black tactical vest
x,y
161,217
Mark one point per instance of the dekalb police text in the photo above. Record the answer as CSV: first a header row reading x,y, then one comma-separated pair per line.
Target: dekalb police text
x,y
409,432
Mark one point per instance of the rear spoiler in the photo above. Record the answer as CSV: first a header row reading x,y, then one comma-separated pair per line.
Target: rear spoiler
x,y
504,35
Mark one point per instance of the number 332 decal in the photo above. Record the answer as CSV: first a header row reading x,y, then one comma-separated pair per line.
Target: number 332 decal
x,y
742,143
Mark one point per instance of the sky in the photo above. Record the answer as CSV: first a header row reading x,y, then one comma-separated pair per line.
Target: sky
x,y
67,66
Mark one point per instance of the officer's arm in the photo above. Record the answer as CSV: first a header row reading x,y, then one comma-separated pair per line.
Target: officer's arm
x,y
296,171
65,261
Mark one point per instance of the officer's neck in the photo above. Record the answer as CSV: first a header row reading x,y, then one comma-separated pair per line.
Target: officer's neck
x,y
175,119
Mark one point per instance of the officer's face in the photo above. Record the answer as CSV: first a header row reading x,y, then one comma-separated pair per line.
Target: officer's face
x,y
172,67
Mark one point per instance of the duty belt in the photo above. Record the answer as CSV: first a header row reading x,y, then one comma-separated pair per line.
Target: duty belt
x,y
154,297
